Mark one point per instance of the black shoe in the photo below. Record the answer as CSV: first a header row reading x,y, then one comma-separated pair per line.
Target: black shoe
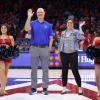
x,y
32,91
63,92
80,93
45,92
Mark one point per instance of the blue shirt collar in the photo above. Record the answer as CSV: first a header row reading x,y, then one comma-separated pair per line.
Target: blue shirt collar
x,y
41,22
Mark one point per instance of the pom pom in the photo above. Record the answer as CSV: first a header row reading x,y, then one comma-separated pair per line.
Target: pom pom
x,y
93,53
11,52
90,52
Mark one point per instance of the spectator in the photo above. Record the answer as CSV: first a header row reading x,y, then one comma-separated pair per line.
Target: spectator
x,y
28,35
21,34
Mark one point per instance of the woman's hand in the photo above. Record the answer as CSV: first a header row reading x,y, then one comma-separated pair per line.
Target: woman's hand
x,y
81,23
89,45
56,52
5,45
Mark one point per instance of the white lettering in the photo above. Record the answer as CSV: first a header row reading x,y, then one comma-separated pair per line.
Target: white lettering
x,y
78,58
83,59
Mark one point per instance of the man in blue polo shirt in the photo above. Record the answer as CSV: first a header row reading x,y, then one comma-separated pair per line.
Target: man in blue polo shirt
x,y
41,43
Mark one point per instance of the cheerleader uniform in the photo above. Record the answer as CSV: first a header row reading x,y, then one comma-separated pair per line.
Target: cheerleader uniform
x,y
6,41
97,45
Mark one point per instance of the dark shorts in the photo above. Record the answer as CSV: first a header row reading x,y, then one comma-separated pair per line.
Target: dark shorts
x,y
9,61
96,61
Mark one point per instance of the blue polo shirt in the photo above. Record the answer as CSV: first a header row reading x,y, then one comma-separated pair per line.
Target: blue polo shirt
x,y
40,32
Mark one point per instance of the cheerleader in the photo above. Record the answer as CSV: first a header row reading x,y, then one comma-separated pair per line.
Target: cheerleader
x,y
6,40
96,43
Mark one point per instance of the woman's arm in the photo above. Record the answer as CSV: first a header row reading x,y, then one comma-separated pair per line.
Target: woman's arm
x,y
12,40
94,40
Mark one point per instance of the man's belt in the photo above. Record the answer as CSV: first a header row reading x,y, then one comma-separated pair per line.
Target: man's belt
x,y
40,46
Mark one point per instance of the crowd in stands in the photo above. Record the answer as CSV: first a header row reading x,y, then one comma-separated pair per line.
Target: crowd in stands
x,y
56,12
